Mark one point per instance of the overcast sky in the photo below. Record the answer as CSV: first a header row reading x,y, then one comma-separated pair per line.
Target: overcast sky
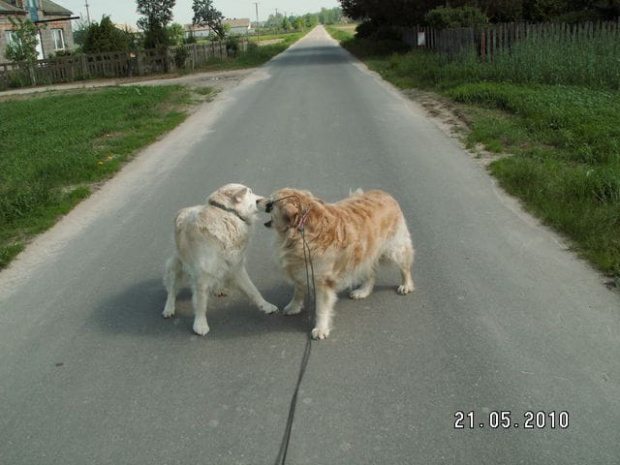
x,y
124,11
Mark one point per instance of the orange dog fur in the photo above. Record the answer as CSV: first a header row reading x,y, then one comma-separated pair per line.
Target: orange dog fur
x,y
346,240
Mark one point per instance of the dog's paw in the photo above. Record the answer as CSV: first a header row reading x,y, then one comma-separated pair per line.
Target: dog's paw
x,y
405,289
359,294
268,308
319,334
293,308
168,312
222,292
201,327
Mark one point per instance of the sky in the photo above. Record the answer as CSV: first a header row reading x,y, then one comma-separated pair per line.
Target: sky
x,y
124,11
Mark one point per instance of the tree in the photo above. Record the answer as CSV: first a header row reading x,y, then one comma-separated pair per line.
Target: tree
x,y
23,46
378,13
205,14
80,29
448,18
330,16
176,34
311,20
105,37
502,11
299,24
286,25
157,14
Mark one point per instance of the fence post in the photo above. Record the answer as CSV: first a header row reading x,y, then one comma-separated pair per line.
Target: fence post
x,y
84,63
167,60
139,62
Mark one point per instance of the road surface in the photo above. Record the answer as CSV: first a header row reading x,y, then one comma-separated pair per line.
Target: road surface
x,y
504,318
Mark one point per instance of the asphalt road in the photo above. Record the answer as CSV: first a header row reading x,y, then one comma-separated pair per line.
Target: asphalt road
x,y
504,318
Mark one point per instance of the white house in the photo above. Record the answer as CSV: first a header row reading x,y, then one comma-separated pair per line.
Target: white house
x,y
241,26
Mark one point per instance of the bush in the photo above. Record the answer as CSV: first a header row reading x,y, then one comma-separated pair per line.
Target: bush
x,y
105,37
450,18
232,46
181,54
156,38
366,29
388,33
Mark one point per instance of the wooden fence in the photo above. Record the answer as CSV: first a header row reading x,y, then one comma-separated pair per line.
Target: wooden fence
x,y
489,41
114,64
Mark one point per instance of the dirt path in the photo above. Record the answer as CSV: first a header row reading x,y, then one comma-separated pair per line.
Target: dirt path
x,y
219,80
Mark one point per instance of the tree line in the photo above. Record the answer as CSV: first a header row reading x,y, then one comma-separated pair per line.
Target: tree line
x,y
285,22
157,28
416,12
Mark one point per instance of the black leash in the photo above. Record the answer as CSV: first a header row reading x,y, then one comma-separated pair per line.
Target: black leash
x,y
281,460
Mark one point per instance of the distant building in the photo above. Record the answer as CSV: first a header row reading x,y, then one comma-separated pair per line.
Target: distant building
x,y
126,27
237,26
52,20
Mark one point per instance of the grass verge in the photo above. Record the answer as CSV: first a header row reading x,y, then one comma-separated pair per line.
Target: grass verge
x,y
52,149
561,128
255,56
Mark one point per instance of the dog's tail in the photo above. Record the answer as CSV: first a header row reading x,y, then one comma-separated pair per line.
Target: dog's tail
x,y
357,191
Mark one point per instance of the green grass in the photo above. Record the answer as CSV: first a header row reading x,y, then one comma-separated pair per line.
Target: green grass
x,y
261,38
52,148
258,55
566,163
555,107
255,56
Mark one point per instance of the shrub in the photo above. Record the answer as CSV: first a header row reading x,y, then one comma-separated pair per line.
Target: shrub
x,y
181,54
232,46
24,48
450,18
366,29
105,37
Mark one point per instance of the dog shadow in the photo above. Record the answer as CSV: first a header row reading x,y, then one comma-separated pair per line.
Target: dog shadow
x,y
137,310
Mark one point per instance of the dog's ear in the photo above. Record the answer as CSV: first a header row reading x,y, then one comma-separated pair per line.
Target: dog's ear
x,y
240,195
289,211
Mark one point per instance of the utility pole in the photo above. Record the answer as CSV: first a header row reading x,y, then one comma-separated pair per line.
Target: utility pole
x,y
87,13
256,5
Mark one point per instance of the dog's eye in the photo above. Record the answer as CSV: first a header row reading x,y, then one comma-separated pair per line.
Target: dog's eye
x,y
269,207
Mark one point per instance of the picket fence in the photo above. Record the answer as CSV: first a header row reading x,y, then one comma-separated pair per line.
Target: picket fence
x,y
112,64
491,40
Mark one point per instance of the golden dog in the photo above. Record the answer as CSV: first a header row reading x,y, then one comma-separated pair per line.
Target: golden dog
x,y
346,240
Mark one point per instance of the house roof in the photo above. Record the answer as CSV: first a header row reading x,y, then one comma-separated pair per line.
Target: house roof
x,y
232,22
243,22
126,27
50,8
47,6
9,9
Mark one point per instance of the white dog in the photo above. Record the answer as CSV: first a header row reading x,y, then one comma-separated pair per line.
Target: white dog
x,y
211,241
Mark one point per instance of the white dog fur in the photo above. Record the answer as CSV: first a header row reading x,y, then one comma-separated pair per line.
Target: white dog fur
x,y
210,247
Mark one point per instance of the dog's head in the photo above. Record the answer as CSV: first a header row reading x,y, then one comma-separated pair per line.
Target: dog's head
x,y
237,198
286,207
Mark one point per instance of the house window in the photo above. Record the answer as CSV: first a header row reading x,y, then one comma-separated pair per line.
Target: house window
x,y
11,37
59,39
